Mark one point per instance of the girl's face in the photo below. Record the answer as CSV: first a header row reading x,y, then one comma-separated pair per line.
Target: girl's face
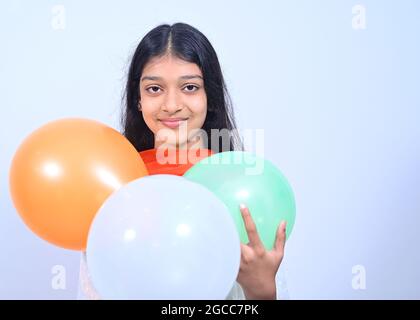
x,y
173,100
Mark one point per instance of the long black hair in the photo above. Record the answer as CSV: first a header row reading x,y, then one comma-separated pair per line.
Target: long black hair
x,y
189,44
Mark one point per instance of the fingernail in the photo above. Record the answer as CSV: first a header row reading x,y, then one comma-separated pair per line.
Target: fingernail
x,y
284,225
242,206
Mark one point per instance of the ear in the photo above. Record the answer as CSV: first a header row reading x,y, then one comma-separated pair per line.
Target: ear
x,y
139,106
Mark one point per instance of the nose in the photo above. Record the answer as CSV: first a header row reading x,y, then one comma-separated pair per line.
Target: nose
x,y
172,103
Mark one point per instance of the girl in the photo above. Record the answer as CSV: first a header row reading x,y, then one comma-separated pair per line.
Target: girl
x,y
175,96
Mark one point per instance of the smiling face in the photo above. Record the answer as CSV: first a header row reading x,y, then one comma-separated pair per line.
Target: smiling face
x,y
173,100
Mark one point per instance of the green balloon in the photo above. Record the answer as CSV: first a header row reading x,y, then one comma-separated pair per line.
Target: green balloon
x,y
241,177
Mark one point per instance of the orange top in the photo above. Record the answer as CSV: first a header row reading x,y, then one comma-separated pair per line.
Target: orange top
x,y
172,161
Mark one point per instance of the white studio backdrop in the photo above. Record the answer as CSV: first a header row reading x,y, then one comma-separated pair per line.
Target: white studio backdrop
x,y
333,85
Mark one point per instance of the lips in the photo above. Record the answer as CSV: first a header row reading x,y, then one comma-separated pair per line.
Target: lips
x,y
172,122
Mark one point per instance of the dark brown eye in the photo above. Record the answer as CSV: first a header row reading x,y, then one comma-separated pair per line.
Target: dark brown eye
x,y
191,88
153,89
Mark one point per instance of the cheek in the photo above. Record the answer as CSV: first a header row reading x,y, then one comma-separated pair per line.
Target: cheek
x,y
199,111
150,110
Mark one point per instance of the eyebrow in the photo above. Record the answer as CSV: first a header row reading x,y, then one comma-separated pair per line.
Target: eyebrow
x,y
186,77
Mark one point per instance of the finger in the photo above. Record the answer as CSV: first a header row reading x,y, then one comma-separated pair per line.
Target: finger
x,y
246,251
246,255
280,238
251,228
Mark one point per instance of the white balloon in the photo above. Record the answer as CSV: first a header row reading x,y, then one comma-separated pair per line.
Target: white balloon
x,y
163,237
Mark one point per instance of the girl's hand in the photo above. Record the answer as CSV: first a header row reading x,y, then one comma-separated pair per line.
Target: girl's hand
x,y
258,266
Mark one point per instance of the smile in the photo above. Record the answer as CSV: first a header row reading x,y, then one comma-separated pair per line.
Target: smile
x,y
173,122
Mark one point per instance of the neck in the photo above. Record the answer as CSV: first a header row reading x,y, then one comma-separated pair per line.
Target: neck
x,y
194,144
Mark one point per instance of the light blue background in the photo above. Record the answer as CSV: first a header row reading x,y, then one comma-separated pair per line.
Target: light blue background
x,y
340,108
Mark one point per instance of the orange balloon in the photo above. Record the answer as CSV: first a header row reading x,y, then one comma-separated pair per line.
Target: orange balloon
x,y
63,172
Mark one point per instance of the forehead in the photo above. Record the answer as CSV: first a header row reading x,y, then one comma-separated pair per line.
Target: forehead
x,y
168,66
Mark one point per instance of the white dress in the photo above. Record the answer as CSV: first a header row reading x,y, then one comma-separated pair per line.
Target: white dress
x,y
86,290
